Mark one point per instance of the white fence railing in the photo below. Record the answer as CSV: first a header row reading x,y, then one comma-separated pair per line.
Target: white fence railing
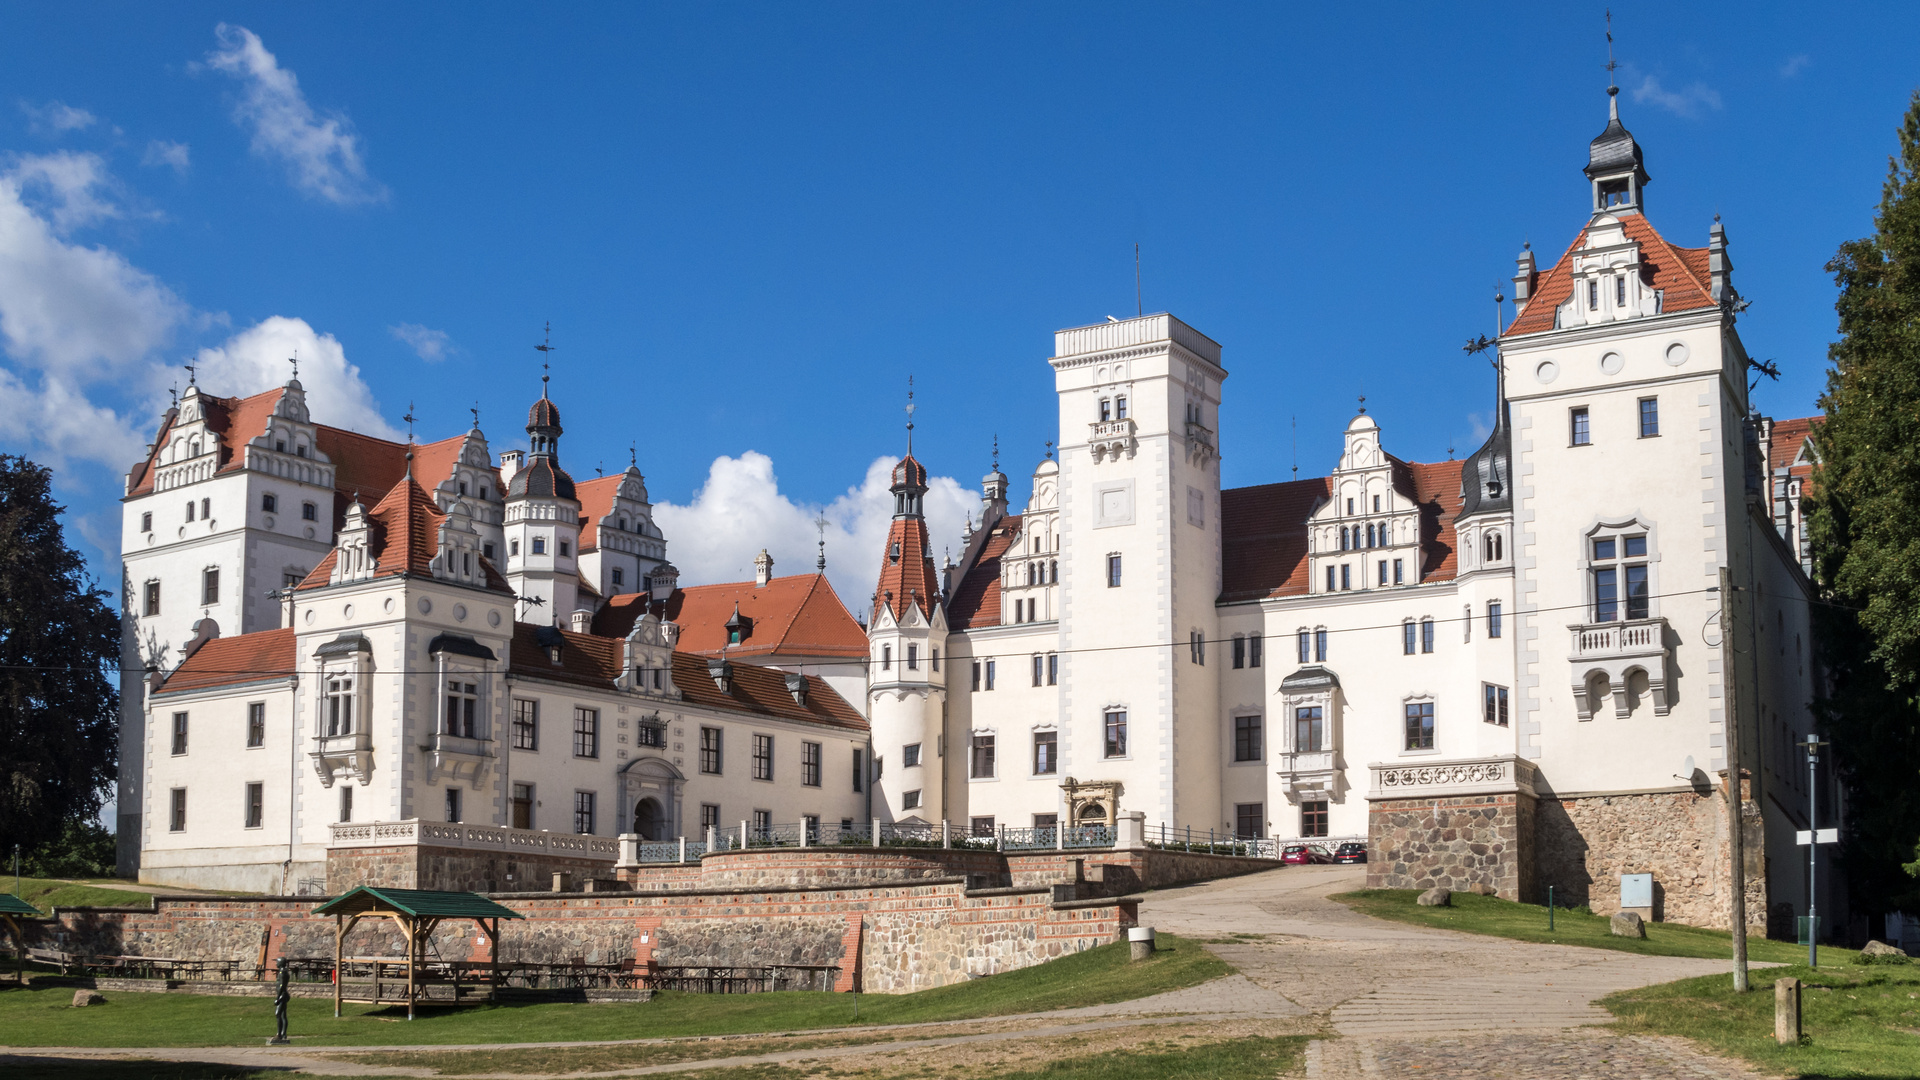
x,y
417,833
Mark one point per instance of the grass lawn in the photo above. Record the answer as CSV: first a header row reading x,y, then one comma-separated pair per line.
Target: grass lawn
x,y
45,893
1094,977
1857,1021
1528,922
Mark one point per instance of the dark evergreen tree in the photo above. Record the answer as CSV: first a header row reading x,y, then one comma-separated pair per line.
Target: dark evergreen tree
x,y
59,640
1865,522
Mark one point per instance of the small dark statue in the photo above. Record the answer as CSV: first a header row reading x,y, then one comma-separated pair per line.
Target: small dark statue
x,y
282,994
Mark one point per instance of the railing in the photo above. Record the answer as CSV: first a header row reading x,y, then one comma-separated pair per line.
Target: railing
x,y
415,832
1056,838
1306,761
1634,636
1215,842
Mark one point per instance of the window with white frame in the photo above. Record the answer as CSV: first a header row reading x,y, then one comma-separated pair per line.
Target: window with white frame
x,y
1046,760
463,709
583,812
1116,730
1419,725
526,724
177,810
910,755
256,723
1320,645
1495,619
340,698
255,805
1495,704
981,763
179,733
1246,738
1621,587
586,732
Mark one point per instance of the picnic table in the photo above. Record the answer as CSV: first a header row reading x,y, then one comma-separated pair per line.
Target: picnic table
x,y
165,967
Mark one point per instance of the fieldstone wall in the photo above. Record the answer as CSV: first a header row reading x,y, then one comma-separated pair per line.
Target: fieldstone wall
x,y
1583,845
1453,843
408,866
812,940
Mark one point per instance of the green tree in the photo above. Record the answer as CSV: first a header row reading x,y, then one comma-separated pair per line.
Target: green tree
x,y
1865,522
58,639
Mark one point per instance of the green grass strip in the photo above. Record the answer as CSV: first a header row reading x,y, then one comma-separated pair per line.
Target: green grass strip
x,y
1495,917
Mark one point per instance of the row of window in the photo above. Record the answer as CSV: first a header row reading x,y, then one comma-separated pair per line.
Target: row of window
x,y
1375,535
1114,408
1342,581
1042,573
209,591
540,548
911,660
256,728
1580,422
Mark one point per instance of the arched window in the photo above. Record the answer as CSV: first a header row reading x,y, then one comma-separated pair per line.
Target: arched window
x,y
1029,573
1053,571
1370,536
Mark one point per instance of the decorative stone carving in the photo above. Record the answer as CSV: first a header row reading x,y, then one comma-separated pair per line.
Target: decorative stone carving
x,y
1617,650
1111,438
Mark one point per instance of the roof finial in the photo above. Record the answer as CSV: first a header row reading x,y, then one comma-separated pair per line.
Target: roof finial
x,y
295,361
476,415
193,377
996,451
1363,404
173,392
1612,90
544,348
633,454
1049,449
409,419
1294,422
820,523
910,408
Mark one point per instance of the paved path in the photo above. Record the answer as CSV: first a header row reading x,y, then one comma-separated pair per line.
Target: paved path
x,y
1392,989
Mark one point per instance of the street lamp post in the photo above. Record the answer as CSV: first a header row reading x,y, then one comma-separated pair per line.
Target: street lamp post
x,y
1813,837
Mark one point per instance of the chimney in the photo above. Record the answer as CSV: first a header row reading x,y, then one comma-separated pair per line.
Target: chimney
x,y
762,568
797,686
1524,277
1719,265
509,464
722,673
581,622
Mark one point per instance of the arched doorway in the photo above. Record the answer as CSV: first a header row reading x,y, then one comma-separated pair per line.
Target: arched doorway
x,y
1093,814
649,819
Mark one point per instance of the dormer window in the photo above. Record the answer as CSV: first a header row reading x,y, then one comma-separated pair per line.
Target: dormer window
x,y
1620,290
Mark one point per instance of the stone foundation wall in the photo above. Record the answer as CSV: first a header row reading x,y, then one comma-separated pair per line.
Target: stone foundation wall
x,y
1453,843
410,866
1583,845
1112,872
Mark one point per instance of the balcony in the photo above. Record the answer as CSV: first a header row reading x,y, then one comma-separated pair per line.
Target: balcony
x,y
458,758
338,756
1615,652
1309,774
1111,438
1200,445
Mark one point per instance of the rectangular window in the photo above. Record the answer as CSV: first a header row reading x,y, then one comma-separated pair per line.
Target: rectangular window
x,y
1303,646
256,723
1106,410
1383,571
526,724
177,818
913,657
453,804
1246,738
523,806
1420,725
1239,651
1346,577
346,802
539,545
1197,647
1495,705
583,813
910,800
709,817
1593,294
256,809
983,826
763,824
1116,733
1649,417
1637,595
206,509
513,548
1313,819
976,676
210,585
586,732
859,769
269,503
1620,290
1249,820
1120,407
1046,821
1309,730
1606,594
936,659
982,758
1113,571
463,707
1406,638
563,548
886,658
809,764
1332,582
619,577
763,757
309,512
1320,646
340,705
1039,669
152,598
146,521
1254,650
1053,669
1581,433
990,667
1494,619
1046,760
179,733
1397,578
910,755
1426,635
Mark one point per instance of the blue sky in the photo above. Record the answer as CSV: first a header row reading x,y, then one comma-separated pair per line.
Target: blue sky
x,y
749,224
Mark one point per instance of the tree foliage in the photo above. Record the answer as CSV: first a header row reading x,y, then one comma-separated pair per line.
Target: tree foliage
x,y
59,710
1865,522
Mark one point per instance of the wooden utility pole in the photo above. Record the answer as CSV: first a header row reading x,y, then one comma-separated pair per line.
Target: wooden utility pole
x,y
1730,712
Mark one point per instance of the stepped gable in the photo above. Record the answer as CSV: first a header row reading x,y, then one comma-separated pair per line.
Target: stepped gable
x,y
1264,529
405,538
976,599
596,501
797,615
264,654
237,420
592,660
1682,272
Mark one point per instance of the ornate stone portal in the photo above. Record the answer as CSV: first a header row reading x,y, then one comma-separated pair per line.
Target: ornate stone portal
x,y
1091,802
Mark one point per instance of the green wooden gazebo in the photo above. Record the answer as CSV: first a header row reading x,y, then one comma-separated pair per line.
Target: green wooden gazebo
x,y
11,909
417,912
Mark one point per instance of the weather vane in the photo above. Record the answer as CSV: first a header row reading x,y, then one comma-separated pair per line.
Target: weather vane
x,y
295,361
996,452
476,415
1610,64
546,347
1049,449
409,419
633,454
820,523
192,373
910,409
1363,404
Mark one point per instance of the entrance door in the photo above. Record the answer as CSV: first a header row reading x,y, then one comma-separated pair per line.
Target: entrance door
x,y
649,820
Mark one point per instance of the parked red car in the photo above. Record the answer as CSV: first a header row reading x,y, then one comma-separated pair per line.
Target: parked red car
x,y
1300,854
1350,853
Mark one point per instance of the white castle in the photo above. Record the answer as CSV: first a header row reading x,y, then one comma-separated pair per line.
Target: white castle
x,y
1503,671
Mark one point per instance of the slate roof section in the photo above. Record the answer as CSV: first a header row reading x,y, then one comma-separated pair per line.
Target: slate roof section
x,y
1682,272
591,660
264,654
796,615
976,599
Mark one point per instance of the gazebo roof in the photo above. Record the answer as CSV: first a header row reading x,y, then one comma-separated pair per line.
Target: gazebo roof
x,y
418,903
13,905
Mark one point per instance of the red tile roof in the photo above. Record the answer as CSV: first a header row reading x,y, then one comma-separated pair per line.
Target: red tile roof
x,y
590,660
1788,437
596,501
265,654
909,578
797,615
976,599
405,539
1264,530
1682,272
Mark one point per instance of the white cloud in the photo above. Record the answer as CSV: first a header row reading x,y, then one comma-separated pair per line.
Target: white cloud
x,y
63,426
256,358
740,509
1479,426
1687,101
432,346
171,154
69,189
322,154
55,118
1795,65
